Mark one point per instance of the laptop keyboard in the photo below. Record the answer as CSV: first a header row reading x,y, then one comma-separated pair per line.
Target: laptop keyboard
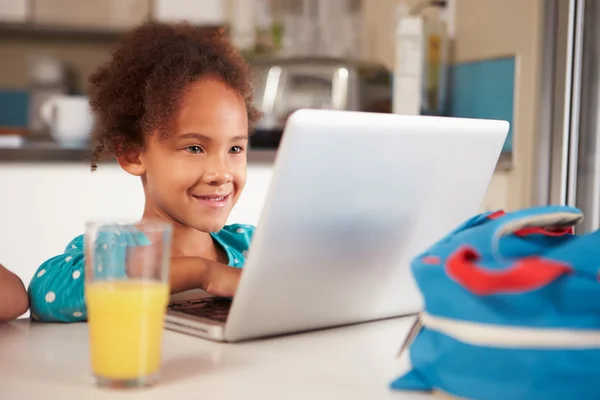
x,y
214,308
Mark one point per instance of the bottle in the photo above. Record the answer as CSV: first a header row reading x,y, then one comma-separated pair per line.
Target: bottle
x,y
435,63
408,63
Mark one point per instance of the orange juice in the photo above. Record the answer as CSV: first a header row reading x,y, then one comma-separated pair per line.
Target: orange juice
x,y
126,321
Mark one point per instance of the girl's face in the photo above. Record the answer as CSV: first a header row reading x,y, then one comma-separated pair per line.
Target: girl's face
x,y
196,175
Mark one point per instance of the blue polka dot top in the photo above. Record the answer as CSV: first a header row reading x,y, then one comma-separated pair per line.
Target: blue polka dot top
x,y
56,290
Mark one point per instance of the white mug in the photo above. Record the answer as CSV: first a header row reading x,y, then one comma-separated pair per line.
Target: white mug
x,y
69,119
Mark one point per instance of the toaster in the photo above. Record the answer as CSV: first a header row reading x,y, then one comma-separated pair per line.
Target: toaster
x,y
283,85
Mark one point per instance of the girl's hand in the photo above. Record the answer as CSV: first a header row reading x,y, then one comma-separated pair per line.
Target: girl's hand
x,y
222,280
199,273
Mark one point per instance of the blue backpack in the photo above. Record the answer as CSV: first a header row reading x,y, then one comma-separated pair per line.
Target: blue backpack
x,y
511,310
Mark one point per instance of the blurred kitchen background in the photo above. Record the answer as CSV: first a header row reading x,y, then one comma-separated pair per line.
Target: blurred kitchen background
x,y
531,62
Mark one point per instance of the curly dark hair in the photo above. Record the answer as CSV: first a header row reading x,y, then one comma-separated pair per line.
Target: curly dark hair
x,y
138,91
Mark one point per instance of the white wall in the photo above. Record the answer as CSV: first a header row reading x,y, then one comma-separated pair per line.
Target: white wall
x,y
44,206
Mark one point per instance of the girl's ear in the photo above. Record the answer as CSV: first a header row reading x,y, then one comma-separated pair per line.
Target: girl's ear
x,y
131,161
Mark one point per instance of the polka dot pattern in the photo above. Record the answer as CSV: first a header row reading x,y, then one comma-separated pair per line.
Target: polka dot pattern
x,y
239,237
50,297
54,294
78,314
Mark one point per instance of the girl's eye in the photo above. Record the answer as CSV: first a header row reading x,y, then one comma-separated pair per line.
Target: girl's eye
x,y
236,149
194,149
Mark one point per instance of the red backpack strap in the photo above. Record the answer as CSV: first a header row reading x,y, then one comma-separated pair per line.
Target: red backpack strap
x,y
524,275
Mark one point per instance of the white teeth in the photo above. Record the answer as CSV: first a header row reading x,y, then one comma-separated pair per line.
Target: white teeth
x,y
214,198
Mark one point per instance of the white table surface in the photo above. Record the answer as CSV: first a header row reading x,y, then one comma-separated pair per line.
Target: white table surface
x,y
50,361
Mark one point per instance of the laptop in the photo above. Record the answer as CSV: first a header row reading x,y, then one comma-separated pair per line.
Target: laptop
x,y
354,197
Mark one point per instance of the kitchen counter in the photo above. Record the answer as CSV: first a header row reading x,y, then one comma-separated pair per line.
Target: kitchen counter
x,y
43,361
44,152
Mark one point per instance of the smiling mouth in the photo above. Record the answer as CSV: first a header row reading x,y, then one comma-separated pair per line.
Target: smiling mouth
x,y
212,198
215,200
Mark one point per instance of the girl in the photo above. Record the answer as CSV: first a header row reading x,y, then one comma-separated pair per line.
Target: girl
x,y
13,297
173,106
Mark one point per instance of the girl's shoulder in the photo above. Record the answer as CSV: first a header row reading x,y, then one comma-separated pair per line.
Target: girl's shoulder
x,y
236,235
75,245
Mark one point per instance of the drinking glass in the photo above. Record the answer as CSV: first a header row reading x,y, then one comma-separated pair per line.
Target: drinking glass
x,y
126,293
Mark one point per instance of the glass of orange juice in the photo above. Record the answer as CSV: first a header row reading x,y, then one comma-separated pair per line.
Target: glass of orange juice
x,y
126,293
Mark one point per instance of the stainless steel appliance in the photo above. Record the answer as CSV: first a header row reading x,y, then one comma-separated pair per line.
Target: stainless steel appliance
x,y
569,137
286,84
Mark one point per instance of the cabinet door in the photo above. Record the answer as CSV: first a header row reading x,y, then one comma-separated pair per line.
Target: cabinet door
x,y
97,14
13,10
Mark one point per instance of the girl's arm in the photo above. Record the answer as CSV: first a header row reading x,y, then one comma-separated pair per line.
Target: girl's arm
x,y
56,291
13,297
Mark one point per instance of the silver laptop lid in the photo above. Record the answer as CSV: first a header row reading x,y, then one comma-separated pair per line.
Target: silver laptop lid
x,y
353,198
